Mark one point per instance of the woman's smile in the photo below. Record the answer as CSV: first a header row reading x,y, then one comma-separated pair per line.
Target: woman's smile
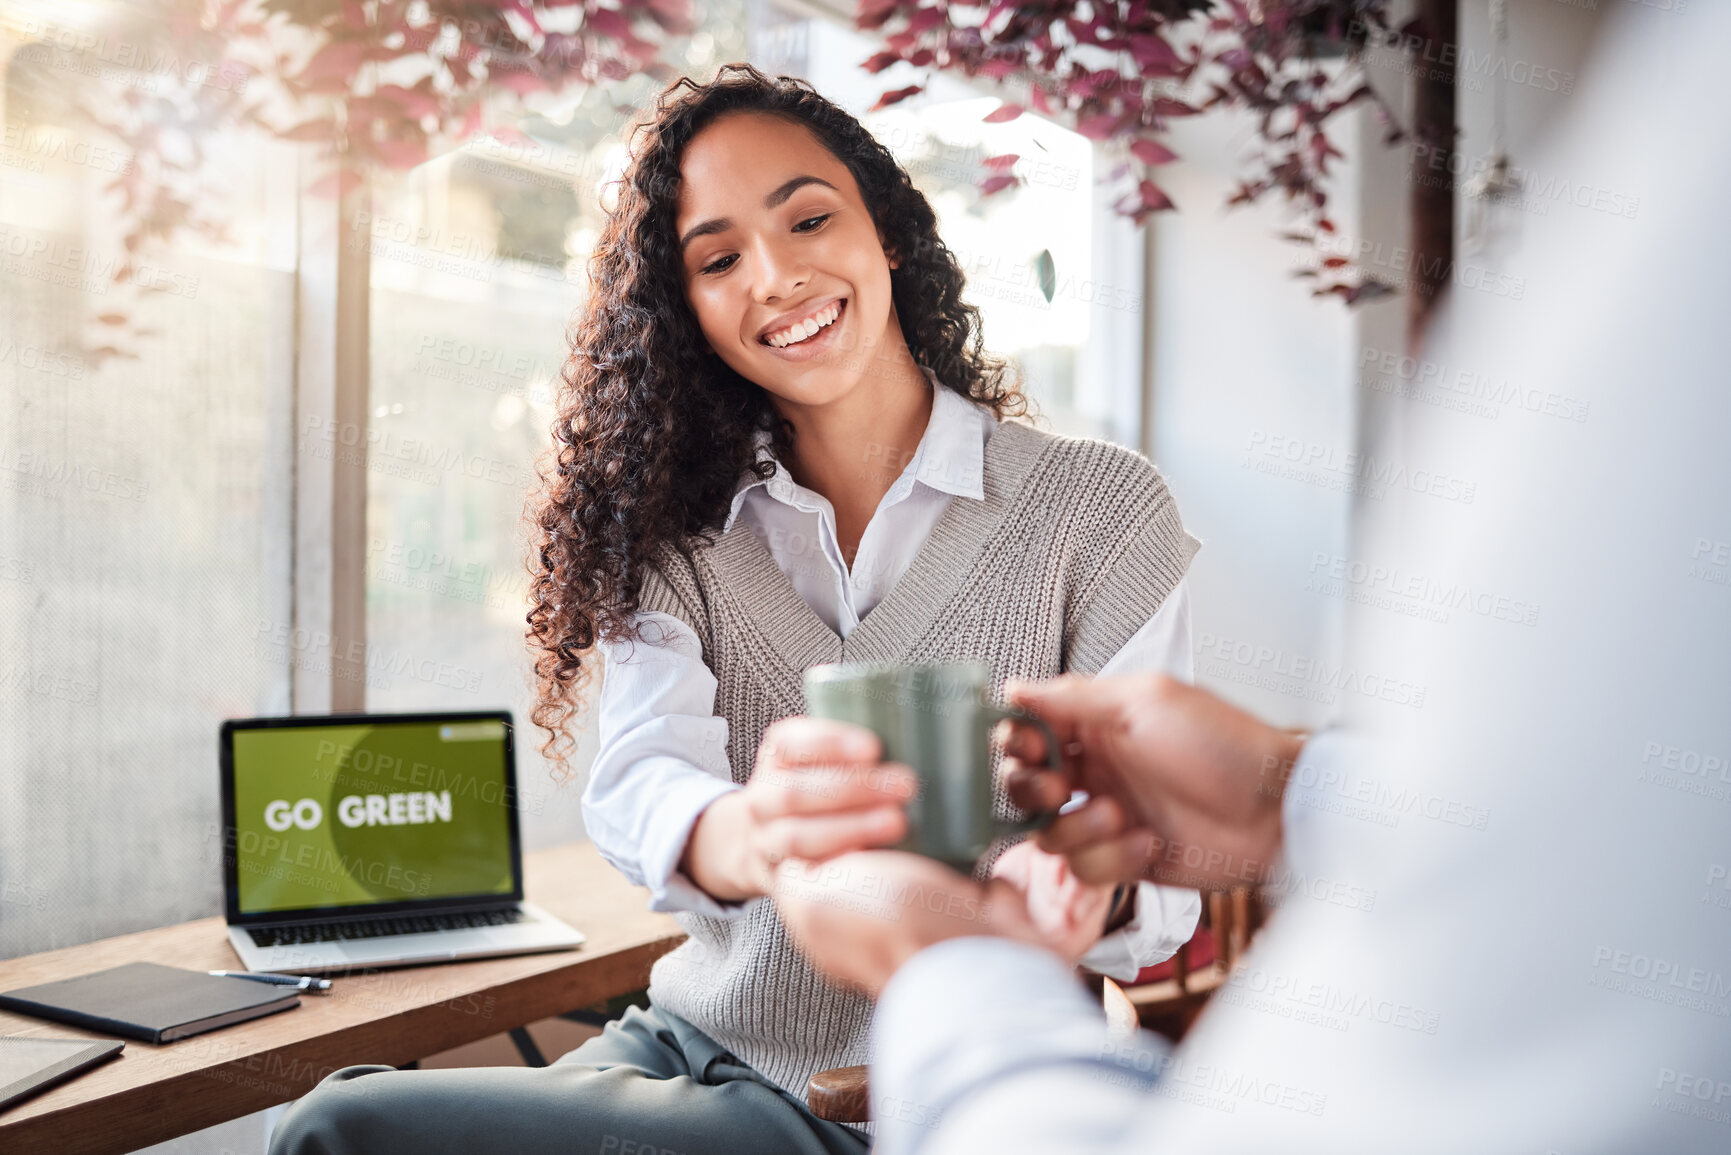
x,y
811,329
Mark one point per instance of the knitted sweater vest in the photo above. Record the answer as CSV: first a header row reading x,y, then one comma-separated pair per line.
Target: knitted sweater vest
x,y
1074,547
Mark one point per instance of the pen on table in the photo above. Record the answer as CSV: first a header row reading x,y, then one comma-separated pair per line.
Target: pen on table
x,y
299,982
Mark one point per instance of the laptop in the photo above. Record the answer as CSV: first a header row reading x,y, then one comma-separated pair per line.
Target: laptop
x,y
373,840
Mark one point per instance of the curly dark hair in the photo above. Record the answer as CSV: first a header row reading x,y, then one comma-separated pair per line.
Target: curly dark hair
x,y
653,435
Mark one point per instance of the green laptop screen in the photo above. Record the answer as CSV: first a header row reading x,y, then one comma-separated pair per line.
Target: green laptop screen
x,y
349,815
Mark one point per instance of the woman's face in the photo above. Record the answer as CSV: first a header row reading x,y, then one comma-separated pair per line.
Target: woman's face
x,y
776,245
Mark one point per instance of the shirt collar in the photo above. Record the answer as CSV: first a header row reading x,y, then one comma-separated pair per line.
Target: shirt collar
x,y
950,457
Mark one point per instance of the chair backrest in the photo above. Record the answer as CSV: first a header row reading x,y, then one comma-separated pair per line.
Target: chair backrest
x,y
1169,1005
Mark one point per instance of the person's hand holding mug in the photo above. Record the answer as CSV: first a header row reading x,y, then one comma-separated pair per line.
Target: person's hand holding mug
x,y
817,790
1183,788
858,917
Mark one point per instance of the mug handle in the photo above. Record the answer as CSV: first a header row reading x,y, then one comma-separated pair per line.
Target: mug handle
x,y
1038,819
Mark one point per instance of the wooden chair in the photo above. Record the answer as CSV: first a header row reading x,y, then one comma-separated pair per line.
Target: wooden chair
x,y
1169,1006
840,1094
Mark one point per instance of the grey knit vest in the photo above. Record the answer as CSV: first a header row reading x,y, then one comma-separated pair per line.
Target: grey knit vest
x,y
1072,550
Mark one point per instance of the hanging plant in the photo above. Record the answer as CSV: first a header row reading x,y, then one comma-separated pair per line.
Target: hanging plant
x,y
1121,71
373,84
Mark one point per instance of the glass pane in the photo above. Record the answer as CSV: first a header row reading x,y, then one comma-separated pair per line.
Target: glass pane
x,y
143,512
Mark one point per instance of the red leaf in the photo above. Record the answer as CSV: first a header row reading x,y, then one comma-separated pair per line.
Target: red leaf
x,y
1155,56
420,39
1154,199
415,103
1148,199
925,18
337,61
113,318
898,95
1001,162
1335,263
1099,126
998,183
608,22
1003,113
880,61
873,13
1037,98
1152,152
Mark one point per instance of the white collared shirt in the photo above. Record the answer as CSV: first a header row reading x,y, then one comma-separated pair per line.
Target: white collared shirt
x,y
798,527
662,757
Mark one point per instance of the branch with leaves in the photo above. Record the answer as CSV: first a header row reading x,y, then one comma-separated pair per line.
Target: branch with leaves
x,y
374,84
1121,71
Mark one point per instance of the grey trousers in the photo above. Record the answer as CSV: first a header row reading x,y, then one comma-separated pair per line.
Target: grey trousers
x,y
650,1084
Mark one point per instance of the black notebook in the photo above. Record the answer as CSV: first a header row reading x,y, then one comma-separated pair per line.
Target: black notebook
x,y
145,1001
29,1064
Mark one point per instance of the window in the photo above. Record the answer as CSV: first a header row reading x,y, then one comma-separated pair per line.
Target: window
x,y
144,519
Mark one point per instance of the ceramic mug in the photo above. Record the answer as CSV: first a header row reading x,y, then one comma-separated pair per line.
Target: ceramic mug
x,y
938,720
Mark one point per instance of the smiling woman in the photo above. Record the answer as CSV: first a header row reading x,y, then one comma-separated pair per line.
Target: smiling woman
x,y
780,444
672,386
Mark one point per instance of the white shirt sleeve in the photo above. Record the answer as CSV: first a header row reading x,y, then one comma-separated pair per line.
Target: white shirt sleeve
x,y
662,760
983,1044
1166,916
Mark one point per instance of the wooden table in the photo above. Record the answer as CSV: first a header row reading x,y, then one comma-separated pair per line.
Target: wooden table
x,y
150,1093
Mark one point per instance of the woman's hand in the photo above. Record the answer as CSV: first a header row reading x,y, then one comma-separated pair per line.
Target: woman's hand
x,y
859,917
818,790
1069,913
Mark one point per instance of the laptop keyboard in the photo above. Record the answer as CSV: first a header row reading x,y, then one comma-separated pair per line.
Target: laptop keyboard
x,y
305,933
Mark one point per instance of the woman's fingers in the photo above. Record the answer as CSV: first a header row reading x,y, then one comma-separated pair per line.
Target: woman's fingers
x,y
780,791
802,741
817,837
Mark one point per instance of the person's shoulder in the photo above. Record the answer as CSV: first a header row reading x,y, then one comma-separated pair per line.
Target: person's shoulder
x,y
1088,469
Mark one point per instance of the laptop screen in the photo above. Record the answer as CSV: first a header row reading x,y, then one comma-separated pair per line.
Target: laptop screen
x,y
361,812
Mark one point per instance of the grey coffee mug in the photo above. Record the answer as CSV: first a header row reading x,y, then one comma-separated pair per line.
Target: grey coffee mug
x,y
938,720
